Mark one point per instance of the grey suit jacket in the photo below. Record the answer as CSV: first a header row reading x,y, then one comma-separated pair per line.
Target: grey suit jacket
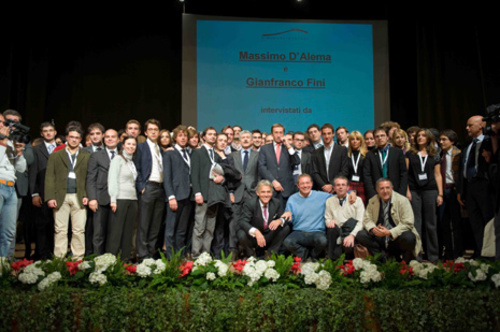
x,y
250,177
97,177
176,179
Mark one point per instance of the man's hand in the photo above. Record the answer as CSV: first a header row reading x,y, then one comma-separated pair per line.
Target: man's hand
x,y
332,224
93,205
286,144
261,241
349,241
231,198
113,207
4,131
37,201
459,199
173,204
352,197
199,199
275,224
277,186
85,201
19,148
218,178
487,156
287,215
52,204
327,188
381,231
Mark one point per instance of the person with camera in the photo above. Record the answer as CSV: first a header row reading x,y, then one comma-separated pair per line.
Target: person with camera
x,y
11,160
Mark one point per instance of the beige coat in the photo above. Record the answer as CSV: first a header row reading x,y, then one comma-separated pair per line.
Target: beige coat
x,y
401,213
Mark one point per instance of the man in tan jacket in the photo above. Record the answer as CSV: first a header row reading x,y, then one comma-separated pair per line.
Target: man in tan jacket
x,y
66,194
388,225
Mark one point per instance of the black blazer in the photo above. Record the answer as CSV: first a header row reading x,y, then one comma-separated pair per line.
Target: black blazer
x,y
283,173
97,177
37,170
200,170
337,166
176,179
396,171
251,215
306,162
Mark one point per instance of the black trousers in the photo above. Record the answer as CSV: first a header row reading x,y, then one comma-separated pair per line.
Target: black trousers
x,y
151,205
274,240
480,209
403,245
335,250
177,226
44,224
102,217
450,225
121,227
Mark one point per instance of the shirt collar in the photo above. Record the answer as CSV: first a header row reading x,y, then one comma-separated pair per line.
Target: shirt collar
x,y
310,193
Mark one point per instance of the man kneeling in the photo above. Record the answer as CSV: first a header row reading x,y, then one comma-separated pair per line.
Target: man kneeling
x,y
343,220
261,222
388,225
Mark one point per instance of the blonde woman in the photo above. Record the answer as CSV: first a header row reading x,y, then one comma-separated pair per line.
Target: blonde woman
x,y
356,154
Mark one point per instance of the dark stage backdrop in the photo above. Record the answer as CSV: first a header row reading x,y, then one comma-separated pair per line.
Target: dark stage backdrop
x,y
91,65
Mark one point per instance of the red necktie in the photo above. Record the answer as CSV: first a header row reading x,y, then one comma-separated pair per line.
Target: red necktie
x,y
265,216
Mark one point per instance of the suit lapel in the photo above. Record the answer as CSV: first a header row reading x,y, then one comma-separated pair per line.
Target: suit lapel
x,y
238,163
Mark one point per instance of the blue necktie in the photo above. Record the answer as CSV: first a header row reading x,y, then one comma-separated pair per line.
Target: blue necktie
x,y
245,161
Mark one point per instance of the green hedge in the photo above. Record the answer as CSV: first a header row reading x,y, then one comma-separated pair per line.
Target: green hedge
x,y
273,308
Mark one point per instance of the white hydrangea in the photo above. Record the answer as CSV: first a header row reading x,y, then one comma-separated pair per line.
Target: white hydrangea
x,y
85,265
324,280
49,280
425,270
98,278
143,271
250,271
485,267
222,268
310,278
496,279
472,262
211,276
272,274
271,263
34,269
203,260
104,261
28,278
480,276
308,268
160,266
261,266
148,262
358,263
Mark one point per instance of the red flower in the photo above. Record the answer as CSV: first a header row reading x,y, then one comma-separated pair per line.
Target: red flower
x,y
296,266
239,265
297,259
454,267
16,266
186,267
347,269
405,269
131,269
73,267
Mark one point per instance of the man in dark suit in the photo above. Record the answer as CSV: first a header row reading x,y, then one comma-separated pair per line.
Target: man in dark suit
x,y
177,184
474,185
387,162
328,161
314,133
202,160
276,163
246,161
229,131
261,225
65,192
149,164
304,156
97,190
44,222
95,131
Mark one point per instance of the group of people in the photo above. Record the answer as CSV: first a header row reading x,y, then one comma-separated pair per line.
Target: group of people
x,y
318,193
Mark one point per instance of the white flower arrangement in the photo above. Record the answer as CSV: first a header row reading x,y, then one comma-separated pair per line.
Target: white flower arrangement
x,y
422,270
98,278
49,280
211,276
150,266
496,279
143,270
324,280
31,274
480,276
256,269
222,268
85,265
203,260
272,274
369,272
104,261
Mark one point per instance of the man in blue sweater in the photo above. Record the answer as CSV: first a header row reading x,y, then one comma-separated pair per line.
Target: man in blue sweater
x,y
306,211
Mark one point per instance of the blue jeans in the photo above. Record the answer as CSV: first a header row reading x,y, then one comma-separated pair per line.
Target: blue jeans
x,y
298,242
8,214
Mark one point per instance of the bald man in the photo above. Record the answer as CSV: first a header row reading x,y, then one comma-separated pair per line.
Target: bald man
x,y
475,190
97,190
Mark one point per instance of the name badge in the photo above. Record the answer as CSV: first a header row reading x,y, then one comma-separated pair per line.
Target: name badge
x,y
422,176
355,178
71,175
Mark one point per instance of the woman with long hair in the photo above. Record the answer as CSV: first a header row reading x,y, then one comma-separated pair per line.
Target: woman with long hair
x,y
165,141
369,140
356,153
194,139
122,191
425,189
400,140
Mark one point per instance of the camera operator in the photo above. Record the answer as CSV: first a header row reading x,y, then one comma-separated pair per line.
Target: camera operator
x,y
11,160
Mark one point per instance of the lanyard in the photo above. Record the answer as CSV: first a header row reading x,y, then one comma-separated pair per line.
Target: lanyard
x,y
73,162
382,162
355,164
423,161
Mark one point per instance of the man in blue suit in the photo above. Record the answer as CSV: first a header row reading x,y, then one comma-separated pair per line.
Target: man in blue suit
x,y
177,184
276,164
149,164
